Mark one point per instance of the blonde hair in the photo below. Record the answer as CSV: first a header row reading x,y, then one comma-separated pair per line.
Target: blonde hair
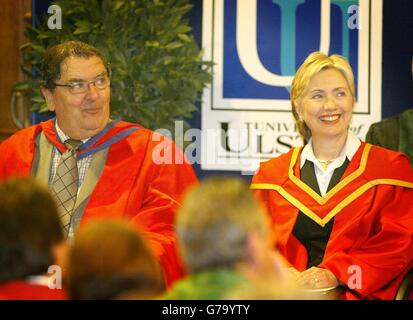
x,y
316,62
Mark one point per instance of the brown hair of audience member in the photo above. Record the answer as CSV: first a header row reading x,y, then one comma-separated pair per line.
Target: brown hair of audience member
x,y
214,224
108,260
29,229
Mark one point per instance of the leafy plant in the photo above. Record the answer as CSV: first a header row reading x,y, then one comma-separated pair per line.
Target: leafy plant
x,y
157,67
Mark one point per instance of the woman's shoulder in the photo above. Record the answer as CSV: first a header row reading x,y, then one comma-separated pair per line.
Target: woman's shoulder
x,y
275,168
390,164
387,156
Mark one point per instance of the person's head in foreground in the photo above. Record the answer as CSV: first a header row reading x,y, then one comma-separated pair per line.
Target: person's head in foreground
x,y
110,260
30,233
216,224
224,240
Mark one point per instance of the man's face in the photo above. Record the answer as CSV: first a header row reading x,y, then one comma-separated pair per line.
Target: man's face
x,y
80,115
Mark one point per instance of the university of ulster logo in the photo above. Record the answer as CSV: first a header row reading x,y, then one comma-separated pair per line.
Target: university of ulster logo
x,y
257,46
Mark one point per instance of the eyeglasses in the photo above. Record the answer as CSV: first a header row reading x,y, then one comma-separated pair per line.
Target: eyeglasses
x,y
78,87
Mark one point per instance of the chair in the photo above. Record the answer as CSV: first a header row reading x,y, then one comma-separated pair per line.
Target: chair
x,y
405,289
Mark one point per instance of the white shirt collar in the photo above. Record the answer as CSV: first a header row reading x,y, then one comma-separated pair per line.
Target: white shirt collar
x,y
350,148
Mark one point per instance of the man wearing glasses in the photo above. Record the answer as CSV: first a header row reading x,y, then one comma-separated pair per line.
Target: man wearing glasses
x,y
97,167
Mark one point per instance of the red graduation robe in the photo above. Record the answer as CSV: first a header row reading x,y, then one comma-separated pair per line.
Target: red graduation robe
x,y
22,290
371,244
131,186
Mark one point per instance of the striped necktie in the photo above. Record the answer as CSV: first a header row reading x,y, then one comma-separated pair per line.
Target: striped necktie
x,y
65,183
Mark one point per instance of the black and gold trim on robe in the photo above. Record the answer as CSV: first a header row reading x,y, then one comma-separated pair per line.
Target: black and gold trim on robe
x,y
311,235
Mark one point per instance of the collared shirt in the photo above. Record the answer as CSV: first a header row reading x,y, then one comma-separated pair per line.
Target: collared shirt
x,y
82,165
324,175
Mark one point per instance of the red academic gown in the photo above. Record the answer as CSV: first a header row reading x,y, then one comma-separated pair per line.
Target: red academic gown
x,y
22,290
131,186
371,244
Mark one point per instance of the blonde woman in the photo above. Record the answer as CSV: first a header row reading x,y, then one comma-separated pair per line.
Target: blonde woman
x,y
342,209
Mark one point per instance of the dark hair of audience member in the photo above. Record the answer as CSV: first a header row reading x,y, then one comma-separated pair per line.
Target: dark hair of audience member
x,y
29,228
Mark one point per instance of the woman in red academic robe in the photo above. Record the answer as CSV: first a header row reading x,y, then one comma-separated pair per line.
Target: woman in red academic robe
x,y
342,209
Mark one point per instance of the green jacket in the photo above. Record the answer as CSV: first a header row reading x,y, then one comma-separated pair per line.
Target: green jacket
x,y
206,285
395,133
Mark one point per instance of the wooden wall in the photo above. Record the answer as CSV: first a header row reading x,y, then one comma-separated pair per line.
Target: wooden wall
x,y
14,14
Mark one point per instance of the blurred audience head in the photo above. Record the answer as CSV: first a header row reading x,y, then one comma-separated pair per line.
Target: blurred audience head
x,y
29,229
217,220
110,260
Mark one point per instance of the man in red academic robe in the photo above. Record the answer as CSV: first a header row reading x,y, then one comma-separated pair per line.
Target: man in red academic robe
x,y
124,170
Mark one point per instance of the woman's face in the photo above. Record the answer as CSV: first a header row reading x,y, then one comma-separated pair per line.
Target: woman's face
x,y
327,104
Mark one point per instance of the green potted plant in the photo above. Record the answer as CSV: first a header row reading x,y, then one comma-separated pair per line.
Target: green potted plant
x,y
157,68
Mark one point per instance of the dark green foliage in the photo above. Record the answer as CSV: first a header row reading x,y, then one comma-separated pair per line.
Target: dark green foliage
x,y
157,68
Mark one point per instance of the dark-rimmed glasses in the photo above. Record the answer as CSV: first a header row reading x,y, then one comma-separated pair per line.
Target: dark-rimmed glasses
x,y
78,87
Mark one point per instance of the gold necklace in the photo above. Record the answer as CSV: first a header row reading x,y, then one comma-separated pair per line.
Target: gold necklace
x,y
325,163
